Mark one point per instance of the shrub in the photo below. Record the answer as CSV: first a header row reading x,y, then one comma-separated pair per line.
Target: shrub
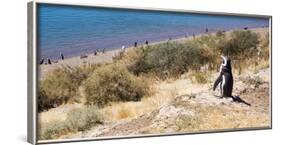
x,y
265,47
172,59
169,59
241,44
81,119
43,101
61,85
209,41
119,56
112,83
131,57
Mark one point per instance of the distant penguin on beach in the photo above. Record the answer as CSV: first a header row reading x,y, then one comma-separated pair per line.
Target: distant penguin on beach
x,y
49,61
96,52
206,30
42,61
225,78
170,38
146,42
135,44
61,56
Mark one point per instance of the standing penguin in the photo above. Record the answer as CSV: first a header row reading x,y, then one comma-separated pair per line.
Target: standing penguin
x,y
42,61
225,78
61,56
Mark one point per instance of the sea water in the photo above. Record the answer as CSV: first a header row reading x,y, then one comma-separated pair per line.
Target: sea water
x,y
76,30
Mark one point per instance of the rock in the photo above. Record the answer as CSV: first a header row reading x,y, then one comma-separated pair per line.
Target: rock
x,y
171,111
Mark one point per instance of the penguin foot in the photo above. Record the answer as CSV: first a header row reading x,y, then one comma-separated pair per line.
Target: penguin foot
x,y
239,100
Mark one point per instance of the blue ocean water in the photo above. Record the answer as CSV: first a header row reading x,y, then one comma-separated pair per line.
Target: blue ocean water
x,y
77,30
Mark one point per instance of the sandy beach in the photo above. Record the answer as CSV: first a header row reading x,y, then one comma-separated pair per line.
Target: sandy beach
x,y
108,55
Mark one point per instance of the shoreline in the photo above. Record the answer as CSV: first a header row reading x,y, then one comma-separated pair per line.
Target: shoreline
x,y
108,55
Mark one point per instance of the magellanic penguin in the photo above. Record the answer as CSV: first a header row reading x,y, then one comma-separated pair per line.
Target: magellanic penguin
x,y
225,78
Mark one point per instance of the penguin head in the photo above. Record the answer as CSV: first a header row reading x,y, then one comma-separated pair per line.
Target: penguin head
x,y
226,63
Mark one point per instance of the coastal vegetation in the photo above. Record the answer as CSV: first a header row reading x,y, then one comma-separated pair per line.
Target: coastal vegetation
x,y
169,59
114,83
125,85
78,119
62,85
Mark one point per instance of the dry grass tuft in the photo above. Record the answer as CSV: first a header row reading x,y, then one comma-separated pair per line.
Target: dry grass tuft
x,y
129,110
53,130
199,77
77,119
221,117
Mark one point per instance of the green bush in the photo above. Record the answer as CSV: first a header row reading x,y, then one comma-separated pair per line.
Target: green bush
x,y
208,41
81,119
172,59
61,84
265,47
169,59
43,101
241,44
111,83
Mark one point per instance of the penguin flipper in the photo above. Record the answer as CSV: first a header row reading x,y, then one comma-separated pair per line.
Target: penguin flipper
x,y
218,80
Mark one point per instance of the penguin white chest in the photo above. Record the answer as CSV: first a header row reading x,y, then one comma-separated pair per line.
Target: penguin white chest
x,y
223,83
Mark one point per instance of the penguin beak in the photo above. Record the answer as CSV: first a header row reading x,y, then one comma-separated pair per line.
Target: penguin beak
x,y
224,60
